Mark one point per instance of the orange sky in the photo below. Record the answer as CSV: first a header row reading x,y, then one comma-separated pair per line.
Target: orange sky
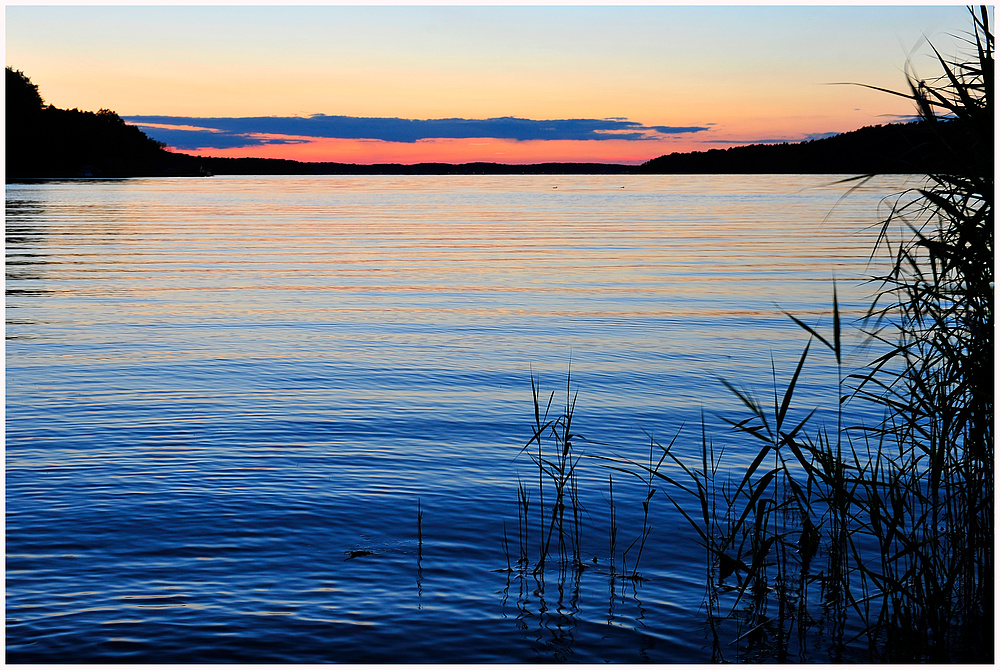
x,y
745,74
458,151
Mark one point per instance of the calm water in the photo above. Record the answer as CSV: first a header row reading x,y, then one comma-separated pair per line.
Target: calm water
x,y
219,388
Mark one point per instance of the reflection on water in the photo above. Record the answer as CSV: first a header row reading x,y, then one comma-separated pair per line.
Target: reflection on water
x,y
556,627
218,389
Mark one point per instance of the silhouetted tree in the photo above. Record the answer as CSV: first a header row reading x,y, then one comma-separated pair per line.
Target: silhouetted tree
x,y
45,141
24,117
22,95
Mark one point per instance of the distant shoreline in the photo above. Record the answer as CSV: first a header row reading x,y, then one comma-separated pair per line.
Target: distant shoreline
x,y
886,149
45,142
449,173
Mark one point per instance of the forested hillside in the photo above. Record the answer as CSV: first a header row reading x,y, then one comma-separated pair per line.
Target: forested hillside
x,y
894,148
46,141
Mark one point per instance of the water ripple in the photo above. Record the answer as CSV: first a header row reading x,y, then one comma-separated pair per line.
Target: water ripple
x,y
226,399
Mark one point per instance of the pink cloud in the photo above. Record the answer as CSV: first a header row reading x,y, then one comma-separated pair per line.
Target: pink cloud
x,y
465,150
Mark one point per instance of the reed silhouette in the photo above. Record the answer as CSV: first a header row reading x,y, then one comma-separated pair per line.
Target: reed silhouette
x,y
867,542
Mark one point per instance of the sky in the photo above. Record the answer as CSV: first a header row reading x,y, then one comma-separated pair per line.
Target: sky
x,y
464,83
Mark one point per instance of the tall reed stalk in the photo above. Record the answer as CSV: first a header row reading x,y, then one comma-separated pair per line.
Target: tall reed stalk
x,y
559,469
934,310
902,511
874,540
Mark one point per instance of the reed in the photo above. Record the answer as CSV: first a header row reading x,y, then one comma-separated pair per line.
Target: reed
x,y
558,469
420,521
542,424
646,475
934,311
420,548
873,541
612,525
552,448
523,498
900,512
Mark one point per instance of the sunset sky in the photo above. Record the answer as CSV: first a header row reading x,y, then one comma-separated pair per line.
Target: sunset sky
x,y
511,84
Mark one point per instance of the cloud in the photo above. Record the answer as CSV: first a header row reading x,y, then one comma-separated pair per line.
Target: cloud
x,y
673,130
220,133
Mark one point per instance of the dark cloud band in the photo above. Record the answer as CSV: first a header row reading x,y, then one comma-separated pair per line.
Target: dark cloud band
x,y
220,133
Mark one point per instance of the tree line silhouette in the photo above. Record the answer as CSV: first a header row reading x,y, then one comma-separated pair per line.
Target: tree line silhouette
x,y
44,141
897,148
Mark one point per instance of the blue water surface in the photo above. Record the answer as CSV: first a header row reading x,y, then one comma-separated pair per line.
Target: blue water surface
x,y
228,397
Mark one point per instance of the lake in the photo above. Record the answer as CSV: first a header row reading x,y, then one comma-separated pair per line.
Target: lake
x,y
227,398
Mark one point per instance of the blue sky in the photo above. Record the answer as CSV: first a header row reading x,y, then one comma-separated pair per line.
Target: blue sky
x,y
373,83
